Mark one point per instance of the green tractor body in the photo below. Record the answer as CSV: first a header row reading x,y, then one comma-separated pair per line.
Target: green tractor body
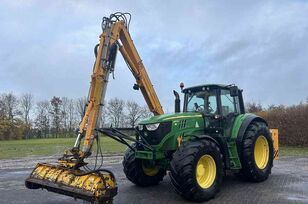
x,y
212,135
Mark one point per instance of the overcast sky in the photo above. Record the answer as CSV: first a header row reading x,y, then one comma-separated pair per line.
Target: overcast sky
x,y
262,46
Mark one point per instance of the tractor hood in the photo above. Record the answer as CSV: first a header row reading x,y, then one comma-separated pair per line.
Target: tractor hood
x,y
170,117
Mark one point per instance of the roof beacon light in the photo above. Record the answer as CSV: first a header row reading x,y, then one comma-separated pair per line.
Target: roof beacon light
x,y
182,85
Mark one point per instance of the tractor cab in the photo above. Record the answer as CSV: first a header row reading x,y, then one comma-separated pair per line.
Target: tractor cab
x,y
214,100
219,104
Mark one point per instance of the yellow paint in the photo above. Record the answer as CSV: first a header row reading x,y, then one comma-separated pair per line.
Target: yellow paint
x,y
131,56
275,137
150,170
92,183
180,140
64,173
261,152
206,171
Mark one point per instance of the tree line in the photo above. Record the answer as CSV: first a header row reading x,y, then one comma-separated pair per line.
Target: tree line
x,y
23,118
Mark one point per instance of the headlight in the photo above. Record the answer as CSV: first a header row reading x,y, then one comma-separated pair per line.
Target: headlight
x,y
152,127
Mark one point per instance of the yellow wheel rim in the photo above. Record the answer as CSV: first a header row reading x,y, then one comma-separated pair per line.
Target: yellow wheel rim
x,y
206,171
261,152
150,171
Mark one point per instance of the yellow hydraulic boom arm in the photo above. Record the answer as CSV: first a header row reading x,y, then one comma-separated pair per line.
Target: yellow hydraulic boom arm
x,y
96,185
115,36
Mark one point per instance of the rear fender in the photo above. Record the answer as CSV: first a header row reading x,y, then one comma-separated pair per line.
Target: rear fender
x,y
249,119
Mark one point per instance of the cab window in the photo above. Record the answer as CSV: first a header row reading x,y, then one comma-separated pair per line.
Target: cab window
x,y
228,104
202,101
194,103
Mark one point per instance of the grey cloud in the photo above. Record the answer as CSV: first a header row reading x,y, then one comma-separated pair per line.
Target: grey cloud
x,y
259,45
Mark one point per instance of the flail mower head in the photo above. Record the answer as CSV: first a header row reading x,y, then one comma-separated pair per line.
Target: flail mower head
x,y
97,186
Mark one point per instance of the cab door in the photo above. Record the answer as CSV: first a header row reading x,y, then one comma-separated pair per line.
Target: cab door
x,y
212,122
229,109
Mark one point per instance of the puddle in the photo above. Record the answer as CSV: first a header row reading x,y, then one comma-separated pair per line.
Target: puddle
x,y
298,198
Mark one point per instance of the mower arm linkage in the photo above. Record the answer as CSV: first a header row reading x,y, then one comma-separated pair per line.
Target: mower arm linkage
x,y
121,137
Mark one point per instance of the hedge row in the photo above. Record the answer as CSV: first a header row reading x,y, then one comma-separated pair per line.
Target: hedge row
x,y
292,123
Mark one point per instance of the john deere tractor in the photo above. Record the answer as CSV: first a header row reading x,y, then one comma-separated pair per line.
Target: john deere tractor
x,y
212,135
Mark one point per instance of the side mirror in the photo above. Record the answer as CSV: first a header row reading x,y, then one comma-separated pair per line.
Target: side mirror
x,y
234,91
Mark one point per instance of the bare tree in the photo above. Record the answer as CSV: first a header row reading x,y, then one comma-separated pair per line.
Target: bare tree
x,y
26,103
64,109
253,107
11,126
2,107
71,115
56,113
103,115
10,106
81,104
42,121
146,113
134,113
115,111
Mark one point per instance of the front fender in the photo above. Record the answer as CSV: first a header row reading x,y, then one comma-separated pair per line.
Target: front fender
x,y
221,143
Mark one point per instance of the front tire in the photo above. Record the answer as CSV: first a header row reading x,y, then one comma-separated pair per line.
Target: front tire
x,y
257,153
140,172
197,170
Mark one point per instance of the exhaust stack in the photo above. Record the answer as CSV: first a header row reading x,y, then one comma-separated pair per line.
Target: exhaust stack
x,y
177,102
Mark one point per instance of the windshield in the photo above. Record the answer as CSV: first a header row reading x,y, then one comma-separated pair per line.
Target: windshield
x,y
201,101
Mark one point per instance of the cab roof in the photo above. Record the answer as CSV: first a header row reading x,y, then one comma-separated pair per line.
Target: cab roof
x,y
199,87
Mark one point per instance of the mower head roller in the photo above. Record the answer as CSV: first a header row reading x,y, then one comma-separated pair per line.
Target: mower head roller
x,y
97,186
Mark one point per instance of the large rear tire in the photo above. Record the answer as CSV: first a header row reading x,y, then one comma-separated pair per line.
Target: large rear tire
x,y
197,170
257,153
141,172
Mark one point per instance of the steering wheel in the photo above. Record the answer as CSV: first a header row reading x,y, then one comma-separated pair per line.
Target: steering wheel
x,y
210,109
199,107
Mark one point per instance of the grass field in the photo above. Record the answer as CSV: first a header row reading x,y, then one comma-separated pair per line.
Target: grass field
x,y
293,151
46,147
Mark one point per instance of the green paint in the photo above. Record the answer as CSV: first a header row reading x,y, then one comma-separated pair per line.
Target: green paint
x,y
235,162
193,125
171,117
237,124
187,125
144,155
169,142
234,156
149,155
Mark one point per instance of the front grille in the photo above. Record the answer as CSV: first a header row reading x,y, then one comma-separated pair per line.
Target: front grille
x,y
182,124
154,137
